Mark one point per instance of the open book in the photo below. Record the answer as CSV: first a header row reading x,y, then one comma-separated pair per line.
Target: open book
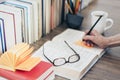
x,y
57,48
19,57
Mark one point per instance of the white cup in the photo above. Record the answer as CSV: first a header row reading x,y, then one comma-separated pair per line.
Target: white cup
x,y
104,23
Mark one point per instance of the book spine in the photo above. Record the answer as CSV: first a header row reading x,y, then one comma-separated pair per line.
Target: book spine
x,y
11,75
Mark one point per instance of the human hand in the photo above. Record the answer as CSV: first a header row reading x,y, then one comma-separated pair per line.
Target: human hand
x,y
96,39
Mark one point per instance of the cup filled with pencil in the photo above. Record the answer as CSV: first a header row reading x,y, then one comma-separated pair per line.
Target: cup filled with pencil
x,y
73,17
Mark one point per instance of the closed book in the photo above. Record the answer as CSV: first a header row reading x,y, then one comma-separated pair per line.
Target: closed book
x,y
2,37
35,16
24,18
29,18
42,71
39,17
17,20
9,27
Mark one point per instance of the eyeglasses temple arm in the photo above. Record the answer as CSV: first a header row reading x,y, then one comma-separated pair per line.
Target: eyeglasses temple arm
x,y
46,56
70,47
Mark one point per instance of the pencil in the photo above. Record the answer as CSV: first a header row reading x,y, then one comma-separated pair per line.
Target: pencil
x,y
94,25
68,6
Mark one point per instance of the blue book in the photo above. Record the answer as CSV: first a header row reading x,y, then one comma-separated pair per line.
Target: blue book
x,y
2,37
43,18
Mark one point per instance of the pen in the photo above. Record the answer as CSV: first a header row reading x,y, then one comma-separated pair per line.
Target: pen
x,y
88,41
94,25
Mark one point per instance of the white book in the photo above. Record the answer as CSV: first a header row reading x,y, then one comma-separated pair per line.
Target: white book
x,y
60,10
24,19
48,14
57,48
29,19
39,18
35,17
57,13
73,36
9,25
18,20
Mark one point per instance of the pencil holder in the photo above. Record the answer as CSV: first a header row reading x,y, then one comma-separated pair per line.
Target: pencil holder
x,y
74,21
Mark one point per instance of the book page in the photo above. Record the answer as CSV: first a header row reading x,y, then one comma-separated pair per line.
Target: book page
x,y
70,34
75,37
29,64
6,61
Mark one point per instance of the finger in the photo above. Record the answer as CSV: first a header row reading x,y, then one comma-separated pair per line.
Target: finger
x,y
86,31
87,37
94,32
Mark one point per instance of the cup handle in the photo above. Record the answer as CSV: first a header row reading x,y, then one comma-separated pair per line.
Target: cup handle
x,y
109,26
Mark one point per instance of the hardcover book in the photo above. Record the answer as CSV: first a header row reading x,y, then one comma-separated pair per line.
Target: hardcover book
x,y
58,52
42,71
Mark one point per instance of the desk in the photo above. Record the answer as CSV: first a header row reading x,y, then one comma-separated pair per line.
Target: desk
x,y
108,67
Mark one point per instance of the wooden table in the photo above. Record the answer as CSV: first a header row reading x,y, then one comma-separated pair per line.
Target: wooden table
x,y
108,67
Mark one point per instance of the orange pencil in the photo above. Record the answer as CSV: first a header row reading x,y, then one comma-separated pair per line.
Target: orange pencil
x,y
69,8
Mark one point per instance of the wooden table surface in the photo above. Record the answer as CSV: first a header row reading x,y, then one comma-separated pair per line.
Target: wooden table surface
x,y
108,67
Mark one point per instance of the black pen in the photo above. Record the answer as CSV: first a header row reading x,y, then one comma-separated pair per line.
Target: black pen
x,y
94,25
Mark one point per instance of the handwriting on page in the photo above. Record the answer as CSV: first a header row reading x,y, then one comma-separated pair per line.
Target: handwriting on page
x,y
80,43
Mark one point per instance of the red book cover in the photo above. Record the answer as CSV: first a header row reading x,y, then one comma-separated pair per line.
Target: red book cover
x,y
41,72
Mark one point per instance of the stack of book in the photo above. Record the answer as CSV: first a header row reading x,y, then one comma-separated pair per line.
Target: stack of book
x,y
18,64
27,20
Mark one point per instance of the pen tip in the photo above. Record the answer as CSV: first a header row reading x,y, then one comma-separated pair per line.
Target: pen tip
x,y
101,15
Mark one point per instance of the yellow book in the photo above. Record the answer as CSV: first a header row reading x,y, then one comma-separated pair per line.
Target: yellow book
x,y
19,58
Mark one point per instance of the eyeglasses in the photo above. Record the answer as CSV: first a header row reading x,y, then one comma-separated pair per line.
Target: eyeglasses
x,y
61,61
